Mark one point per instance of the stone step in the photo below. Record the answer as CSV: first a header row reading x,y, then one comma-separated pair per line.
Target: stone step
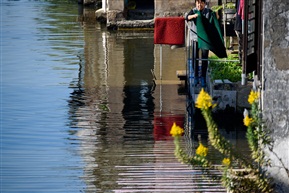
x,y
182,74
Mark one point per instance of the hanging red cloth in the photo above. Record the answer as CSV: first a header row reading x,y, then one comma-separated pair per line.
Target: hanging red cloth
x,y
241,9
169,30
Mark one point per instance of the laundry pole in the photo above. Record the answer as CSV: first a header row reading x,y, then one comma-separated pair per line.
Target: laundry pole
x,y
161,61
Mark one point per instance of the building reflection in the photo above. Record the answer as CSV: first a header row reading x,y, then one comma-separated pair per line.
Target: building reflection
x,y
95,103
111,106
138,101
119,116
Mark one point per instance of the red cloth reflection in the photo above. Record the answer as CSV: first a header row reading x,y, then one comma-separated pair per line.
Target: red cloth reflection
x,y
163,123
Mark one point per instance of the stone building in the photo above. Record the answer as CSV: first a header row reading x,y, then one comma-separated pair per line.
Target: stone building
x,y
266,48
140,13
275,86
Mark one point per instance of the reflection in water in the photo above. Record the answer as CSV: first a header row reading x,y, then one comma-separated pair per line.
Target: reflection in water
x,y
81,112
138,101
111,106
163,123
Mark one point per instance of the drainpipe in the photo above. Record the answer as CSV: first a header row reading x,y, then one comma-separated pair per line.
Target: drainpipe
x,y
245,43
104,5
261,52
224,24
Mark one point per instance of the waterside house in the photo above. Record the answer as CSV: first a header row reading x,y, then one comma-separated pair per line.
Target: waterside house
x,y
141,13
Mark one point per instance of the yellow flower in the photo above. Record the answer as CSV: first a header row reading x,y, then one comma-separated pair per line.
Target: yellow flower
x,y
247,120
204,100
253,96
226,161
176,130
202,150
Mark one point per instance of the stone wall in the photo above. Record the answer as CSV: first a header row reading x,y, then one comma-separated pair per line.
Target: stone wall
x,y
275,88
172,7
165,8
115,12
162,8
115,5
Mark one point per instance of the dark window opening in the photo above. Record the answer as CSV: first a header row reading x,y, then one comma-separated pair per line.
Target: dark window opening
x,y
139,9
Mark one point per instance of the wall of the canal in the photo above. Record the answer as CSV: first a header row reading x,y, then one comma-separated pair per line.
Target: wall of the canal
x,y
116,15
161,7
275,97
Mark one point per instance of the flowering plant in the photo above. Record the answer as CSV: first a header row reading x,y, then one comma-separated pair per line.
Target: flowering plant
x,y
256,181
202,150
204,101
226,162
176,131
253,97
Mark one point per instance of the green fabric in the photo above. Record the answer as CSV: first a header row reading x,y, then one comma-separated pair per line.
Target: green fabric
x,y
210,35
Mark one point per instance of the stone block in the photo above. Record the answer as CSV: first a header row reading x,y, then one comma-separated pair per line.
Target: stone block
x,y
224,93
88,2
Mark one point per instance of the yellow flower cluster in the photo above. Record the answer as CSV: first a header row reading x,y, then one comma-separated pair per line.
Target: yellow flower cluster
x,y
247,120
204,100
202,150
176,130
253,96
226,161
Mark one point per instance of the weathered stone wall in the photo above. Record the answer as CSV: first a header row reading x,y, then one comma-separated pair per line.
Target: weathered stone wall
x,y
115,5
165,8
172,7
88,2
162,8
115,11
275,92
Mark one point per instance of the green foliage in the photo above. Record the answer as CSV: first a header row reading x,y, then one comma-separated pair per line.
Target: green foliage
x,y
196,160
246,181
225,69
257,136
219,7
249,178
252,140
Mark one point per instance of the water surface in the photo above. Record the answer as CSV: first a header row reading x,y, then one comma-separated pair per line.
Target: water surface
x,y
80,111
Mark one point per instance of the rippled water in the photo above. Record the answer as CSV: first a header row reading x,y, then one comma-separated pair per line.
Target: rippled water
x,y
38,60
80,111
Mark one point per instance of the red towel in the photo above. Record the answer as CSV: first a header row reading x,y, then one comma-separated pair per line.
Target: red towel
x,y
169,30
